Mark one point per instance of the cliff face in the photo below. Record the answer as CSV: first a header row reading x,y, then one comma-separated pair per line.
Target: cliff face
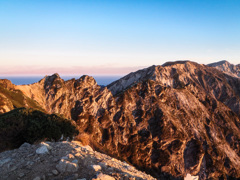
x,y
199,78
70,98
168,120
180,120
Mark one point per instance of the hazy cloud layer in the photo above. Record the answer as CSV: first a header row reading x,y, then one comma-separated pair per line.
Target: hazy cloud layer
x,y
77,70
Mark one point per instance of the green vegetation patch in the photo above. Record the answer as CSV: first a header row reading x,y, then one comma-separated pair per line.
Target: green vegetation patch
x,y
29,125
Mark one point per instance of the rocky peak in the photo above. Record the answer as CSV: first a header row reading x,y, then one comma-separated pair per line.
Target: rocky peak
x,y
223,62
131,79
53,82
177,74
226,67
170,63
183,74
170,74
6,83
87,81
56,75
58,96
52,78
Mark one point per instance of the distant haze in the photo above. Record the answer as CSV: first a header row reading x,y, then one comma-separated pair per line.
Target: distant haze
x,y
114,37
71,71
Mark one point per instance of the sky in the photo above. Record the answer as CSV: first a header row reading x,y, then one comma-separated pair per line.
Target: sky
x,y
114,37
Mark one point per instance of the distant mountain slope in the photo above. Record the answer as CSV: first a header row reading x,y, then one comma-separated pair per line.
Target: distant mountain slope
x,y
131,79
169,120
11,98
225,66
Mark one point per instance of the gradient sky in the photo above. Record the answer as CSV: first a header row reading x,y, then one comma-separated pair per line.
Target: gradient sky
x,y
115,36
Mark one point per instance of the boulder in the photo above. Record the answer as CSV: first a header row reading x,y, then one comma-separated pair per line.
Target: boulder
x,y
42,150
96,168
65,165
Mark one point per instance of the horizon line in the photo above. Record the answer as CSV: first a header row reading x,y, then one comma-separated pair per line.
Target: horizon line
x,y
105,70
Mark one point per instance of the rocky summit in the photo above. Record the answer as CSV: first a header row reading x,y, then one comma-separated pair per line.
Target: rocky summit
x,y
64,160
181,119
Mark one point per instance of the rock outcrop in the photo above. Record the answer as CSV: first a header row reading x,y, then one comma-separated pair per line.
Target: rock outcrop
x,y
70,98
64,160
171,120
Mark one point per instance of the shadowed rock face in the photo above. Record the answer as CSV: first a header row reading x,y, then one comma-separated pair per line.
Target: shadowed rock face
x,y
168,120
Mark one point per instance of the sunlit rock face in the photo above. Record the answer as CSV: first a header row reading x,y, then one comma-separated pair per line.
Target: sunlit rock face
x,y
11,97
228,68
180,119
171,120
70,98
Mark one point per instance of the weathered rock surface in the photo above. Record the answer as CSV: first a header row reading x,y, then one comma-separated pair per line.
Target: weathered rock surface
x,y
180,120
171,120
15,164
68,166
42,150
70,98
225,66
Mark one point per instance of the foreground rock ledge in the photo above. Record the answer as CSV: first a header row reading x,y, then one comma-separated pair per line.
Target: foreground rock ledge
x,y
63,160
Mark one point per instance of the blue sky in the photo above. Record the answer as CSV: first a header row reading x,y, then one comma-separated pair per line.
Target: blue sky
x,y
114,37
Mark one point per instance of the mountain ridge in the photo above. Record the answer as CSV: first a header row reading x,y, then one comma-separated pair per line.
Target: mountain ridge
x,y
169,120
168,76
228,68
